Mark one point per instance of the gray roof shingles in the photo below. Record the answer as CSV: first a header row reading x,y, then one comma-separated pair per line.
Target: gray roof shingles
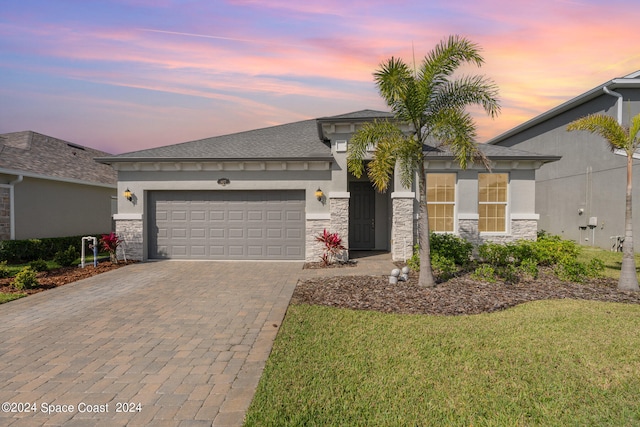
x,y
297,140
42,155
494,152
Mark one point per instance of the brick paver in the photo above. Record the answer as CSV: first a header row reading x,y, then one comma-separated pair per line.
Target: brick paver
x,y
165,343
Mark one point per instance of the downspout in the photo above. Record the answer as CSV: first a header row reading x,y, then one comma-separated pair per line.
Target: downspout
x,y
12,206
619,101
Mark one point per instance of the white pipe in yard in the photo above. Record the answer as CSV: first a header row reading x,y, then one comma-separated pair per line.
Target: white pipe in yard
x,y
95,250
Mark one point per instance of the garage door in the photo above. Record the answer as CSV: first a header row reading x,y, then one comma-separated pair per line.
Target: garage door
x,y
227,225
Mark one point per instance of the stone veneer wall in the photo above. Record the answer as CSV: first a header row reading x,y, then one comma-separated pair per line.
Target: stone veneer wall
x,y
339,212
5,214
520,229
402,230
131,230
314,248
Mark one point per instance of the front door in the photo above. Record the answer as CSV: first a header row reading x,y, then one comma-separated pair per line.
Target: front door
x,y
362,214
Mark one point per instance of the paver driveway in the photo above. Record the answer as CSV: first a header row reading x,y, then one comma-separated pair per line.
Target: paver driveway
x,y
174,343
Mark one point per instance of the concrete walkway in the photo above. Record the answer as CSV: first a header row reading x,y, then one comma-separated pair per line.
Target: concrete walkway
x,y
160,344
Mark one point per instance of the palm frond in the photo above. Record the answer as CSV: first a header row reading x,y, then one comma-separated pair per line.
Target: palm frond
x,y
468,90
447,56
634,130
394,79
410,157
456,130
372,133
605,126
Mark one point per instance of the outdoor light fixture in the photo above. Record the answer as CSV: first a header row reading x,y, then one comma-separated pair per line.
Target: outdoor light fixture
x,y
224,181
319,194
127,194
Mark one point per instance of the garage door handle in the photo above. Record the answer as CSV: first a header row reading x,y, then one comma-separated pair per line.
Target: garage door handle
x,y
373,223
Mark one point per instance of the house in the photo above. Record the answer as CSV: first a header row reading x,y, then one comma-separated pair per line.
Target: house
x,y
267,193
52,188
582,196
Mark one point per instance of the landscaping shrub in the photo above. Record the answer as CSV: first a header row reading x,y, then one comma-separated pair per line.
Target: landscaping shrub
x,y
66,258
451,247
25,279
4,271
333,246
485,273
444,246
22,251
39,265
110,242
444,267
576,271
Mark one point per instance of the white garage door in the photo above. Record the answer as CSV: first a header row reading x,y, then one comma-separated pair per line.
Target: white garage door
x,y
232,225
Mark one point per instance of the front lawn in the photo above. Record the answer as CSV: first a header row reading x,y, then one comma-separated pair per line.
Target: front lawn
x,y
558,362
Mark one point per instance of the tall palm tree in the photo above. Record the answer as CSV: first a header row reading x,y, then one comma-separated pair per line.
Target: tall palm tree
x,y
619,137
432,101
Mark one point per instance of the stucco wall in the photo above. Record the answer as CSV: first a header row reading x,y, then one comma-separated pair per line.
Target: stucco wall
x,y
589,180
53,209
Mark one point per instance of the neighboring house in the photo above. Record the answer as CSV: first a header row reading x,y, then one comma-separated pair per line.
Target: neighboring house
x,y
52,188
267,194
582,196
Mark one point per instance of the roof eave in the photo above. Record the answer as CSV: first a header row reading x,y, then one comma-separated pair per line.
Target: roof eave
x,y
566,106
111,160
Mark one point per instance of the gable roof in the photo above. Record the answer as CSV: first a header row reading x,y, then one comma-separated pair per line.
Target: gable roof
x,y
297,140
41,156
631,81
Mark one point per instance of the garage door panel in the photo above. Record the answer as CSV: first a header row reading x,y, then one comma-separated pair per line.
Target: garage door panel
x,y
216,233
198,233
227,224
235,215
216,215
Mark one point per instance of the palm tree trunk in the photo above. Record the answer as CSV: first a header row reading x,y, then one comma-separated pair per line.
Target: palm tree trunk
x,y
425,278
628,278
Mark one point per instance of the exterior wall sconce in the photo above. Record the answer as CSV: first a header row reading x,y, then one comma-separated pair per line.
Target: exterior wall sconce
x,y
127,194
224,181
319,194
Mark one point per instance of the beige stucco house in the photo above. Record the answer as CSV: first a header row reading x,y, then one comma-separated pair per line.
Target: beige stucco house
x,y
52,188
267,193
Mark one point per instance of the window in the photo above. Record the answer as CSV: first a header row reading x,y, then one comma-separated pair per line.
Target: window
x,y
492,202
441,198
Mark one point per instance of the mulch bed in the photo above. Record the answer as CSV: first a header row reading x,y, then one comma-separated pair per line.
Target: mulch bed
x,y
457,296
59,277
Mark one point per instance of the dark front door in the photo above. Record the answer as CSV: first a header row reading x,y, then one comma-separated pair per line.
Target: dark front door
x,y
362,214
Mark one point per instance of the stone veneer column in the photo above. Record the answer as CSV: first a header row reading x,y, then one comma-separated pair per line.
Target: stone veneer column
x,y
5,214
339,213
402,233
129,227
315,225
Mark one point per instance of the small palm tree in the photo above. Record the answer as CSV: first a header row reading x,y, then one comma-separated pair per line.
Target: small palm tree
x,y
433,103
619,137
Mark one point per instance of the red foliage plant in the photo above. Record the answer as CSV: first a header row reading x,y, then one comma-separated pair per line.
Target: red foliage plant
x,y
332,246
110,242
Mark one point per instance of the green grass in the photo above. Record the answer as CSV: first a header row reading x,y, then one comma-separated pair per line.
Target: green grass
x,y
551,363
6,297
612,260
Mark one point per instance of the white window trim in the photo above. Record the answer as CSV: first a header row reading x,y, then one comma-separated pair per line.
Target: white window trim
x,y
507,209
454,203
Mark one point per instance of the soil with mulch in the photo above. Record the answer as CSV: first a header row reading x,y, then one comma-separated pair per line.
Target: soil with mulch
x,y
59,277
458,296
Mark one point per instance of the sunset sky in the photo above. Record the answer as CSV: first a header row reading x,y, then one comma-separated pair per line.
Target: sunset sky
x,y
124,75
